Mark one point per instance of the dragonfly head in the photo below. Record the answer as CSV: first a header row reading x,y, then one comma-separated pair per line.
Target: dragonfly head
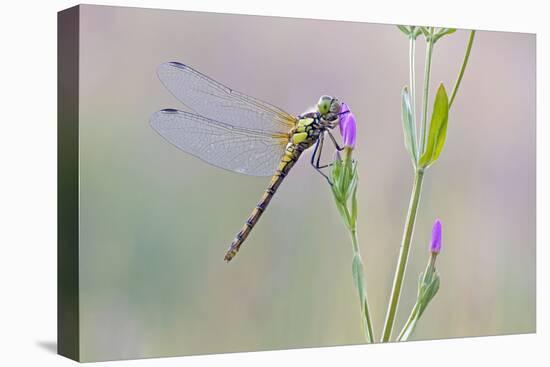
x,y
328,108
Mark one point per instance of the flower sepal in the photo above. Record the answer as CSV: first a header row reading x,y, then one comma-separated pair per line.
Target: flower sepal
x,y
428,285
343,178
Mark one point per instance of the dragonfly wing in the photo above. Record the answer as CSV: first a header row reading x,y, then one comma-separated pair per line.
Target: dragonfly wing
x,y
209,98
250,152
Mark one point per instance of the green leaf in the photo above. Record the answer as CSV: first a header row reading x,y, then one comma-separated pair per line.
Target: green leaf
x,y
404,29
335,177
336,193
340,206
347,178
428,294
443,32
440,141
353,179
358,280
438,128
407,334
409,130
354,207
420,285
450,30
425,31
428,285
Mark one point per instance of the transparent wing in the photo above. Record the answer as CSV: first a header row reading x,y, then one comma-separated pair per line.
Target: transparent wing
x,y
209,98
241,150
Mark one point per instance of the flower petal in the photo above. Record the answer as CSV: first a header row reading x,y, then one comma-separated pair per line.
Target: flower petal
x,y
435,244
348,126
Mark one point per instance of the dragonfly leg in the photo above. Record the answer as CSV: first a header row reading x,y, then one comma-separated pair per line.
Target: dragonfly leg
x,y
316,158
318,162
320,145
338,147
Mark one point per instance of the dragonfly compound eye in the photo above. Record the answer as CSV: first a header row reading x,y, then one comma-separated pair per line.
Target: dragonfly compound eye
x,y
323,106
334,106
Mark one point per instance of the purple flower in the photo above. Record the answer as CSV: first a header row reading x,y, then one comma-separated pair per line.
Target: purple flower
x,y
435,244
348,127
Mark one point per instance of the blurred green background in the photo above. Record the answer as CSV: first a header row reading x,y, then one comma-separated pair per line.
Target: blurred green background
x,y
155,222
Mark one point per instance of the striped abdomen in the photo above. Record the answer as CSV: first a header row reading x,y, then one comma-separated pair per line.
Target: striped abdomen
x,y
292,154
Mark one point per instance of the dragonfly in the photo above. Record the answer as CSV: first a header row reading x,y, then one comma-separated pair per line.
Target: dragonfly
x,y
240,133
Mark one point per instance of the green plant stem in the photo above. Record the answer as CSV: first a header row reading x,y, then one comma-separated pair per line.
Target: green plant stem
x,y
412,82
403,255
427,71
463,67
367,327
417,187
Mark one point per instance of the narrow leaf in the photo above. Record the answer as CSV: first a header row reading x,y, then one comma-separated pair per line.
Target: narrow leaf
x,y
442,136
425,31
336,193
407,334
409,130
404,29
450,30
443,32
438,128
420,285
428,294
355,174
342,210
358,280
354,207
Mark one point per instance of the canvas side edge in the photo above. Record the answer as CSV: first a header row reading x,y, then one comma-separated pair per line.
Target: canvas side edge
x,y
68,324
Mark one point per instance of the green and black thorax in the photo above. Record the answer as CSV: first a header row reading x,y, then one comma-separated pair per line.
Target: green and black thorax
x,y
307,130
312,125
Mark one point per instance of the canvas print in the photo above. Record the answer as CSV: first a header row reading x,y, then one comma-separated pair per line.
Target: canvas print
x,y
233,183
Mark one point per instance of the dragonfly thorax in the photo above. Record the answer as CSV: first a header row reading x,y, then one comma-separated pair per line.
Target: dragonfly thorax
x,y
307,130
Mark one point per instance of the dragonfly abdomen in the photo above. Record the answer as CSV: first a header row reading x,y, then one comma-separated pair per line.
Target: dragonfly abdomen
x,y
292,154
